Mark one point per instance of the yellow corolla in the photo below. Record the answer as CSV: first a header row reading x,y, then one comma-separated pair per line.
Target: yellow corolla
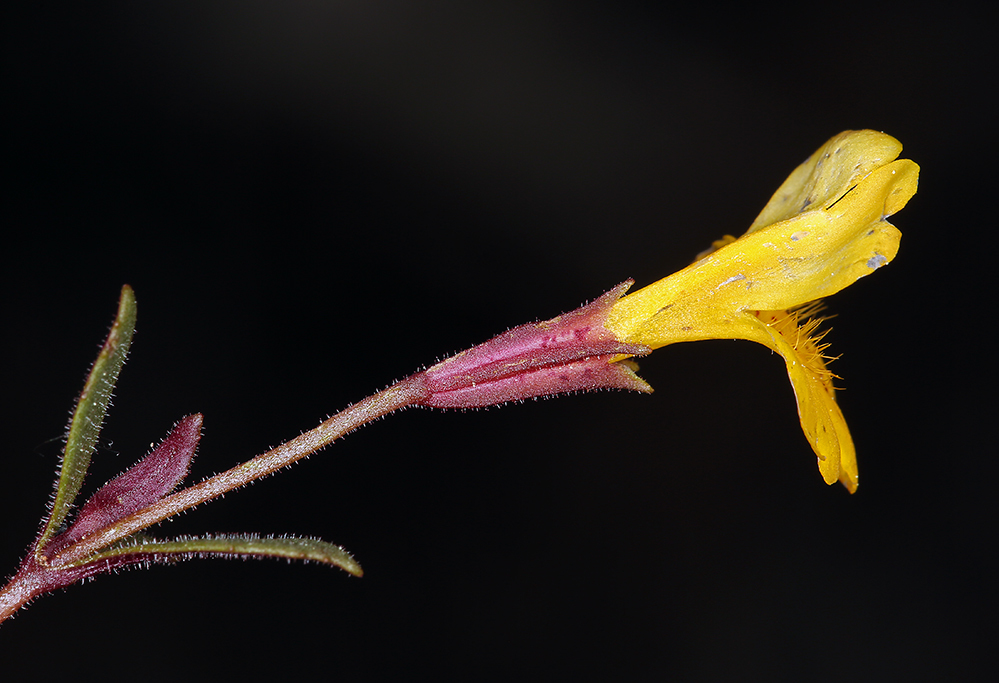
x,y
822,230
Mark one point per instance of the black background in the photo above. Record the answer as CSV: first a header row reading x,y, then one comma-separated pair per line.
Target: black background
x,y
312,199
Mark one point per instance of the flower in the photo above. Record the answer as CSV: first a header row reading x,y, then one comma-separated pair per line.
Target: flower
x,y
822,230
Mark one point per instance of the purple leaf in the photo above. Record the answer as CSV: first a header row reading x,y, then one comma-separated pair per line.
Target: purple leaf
x,y
143,484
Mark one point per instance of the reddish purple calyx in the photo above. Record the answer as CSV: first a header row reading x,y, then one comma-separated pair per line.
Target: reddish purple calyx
x,y
572,352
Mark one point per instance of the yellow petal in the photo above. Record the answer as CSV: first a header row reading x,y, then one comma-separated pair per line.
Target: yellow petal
x,y
777,267
817,253
828,173
821,419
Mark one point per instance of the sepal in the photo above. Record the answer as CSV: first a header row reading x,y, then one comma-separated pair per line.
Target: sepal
x,y
571,352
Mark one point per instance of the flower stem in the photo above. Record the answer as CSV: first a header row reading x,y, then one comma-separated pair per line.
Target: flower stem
x,y
407,392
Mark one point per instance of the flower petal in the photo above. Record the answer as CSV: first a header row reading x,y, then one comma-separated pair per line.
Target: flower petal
x,y
821,419
784,265
828,173
817,253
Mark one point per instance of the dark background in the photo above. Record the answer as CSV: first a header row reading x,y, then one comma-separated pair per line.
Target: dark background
x,y
312,199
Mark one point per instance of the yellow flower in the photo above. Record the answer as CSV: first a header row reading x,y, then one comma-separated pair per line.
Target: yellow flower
x,y
822,230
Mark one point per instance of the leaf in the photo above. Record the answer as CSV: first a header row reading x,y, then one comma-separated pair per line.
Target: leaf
x,y
242,546
143,484
91,407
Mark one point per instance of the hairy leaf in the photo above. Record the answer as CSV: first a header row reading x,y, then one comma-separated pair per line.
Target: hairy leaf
x,y
85,427
245,547
143,484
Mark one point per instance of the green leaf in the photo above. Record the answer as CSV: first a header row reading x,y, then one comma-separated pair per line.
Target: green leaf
x,y
139,549
91,407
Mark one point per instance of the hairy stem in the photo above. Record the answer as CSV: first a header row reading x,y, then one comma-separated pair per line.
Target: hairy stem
x,y
405,393
17,593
